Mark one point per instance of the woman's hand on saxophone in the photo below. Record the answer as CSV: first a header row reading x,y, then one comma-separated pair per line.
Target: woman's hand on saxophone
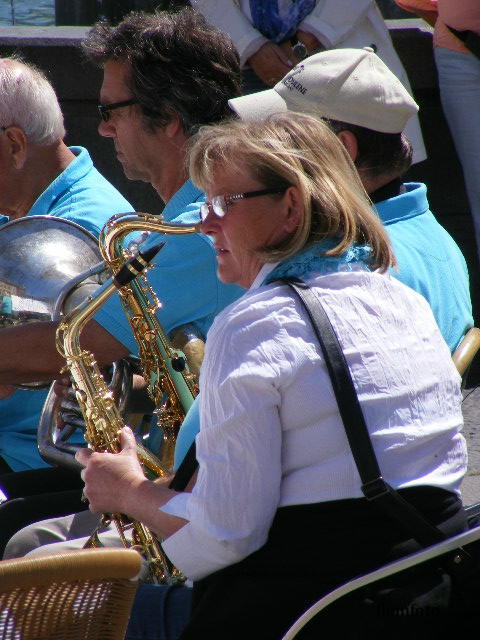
x,y
115,483
110,477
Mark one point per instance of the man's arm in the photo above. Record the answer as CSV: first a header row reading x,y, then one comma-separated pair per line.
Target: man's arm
x,y
28,352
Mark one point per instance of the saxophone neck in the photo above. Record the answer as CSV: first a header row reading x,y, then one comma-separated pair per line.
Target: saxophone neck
x,y
70,328
118,227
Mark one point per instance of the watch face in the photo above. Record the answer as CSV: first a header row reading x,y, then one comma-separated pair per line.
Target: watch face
x,y
300,50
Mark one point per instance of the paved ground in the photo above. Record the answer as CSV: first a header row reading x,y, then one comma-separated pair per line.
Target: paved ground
x,y
471,430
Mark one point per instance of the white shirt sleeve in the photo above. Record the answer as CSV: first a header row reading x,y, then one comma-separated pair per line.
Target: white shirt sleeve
x,y
232,506
228,17
332,21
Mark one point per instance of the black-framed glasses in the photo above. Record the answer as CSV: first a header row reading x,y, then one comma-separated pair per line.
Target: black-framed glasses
x,y
219,204
104,109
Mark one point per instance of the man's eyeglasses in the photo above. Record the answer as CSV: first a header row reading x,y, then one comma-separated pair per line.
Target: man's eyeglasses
x,y
219,204
104,109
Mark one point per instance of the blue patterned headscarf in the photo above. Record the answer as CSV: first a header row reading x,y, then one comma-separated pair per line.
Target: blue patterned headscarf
x,y
275,24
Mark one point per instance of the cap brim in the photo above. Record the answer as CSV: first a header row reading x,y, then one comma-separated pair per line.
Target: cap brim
x,y
258,106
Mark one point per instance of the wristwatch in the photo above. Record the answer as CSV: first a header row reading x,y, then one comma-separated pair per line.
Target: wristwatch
x,y
299,49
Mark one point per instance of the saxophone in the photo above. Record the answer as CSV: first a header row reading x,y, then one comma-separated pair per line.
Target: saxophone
x,y
168,379
170,384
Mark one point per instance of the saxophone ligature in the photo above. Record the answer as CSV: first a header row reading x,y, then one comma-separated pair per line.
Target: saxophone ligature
x,y
170,384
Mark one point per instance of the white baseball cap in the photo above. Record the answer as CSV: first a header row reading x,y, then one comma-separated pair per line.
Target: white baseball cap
x,y
349,85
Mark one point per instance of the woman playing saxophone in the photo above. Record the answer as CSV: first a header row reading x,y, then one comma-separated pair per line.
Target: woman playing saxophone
x,y
266,530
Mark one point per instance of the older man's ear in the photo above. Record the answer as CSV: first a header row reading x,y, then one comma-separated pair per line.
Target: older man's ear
x,y
17,146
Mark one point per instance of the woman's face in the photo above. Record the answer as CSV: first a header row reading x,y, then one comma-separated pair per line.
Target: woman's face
x,y
249,224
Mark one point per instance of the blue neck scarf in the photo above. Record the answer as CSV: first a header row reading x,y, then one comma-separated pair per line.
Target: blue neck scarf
x,y
267,19
313,260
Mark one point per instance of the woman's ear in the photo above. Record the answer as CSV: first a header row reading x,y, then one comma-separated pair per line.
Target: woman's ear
x,y
295,209
349,141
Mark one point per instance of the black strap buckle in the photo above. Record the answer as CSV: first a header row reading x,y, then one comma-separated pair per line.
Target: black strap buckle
x,y
376,489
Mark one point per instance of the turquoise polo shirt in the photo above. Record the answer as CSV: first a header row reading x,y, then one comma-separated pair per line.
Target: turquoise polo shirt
x,y
82,195
429,260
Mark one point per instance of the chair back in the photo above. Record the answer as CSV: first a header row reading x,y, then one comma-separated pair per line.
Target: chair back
x,y
466,351
80,595
396,567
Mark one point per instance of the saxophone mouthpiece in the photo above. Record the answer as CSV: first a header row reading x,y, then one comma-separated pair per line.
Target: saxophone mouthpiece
x,y
133,267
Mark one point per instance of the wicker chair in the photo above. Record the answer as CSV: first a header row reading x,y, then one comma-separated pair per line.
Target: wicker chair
x,y
81,595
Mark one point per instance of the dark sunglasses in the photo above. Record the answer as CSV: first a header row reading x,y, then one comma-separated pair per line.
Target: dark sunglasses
x,y
104,109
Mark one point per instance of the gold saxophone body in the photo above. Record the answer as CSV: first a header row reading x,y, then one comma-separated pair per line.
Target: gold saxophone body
x,y
170,384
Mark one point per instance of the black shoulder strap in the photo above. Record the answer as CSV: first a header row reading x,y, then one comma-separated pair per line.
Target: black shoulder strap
x,y
185,471
374,486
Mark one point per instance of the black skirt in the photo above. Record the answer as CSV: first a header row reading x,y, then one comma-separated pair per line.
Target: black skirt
x,y
311,549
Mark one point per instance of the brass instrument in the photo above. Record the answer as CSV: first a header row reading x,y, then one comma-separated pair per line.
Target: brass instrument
x,y
169,382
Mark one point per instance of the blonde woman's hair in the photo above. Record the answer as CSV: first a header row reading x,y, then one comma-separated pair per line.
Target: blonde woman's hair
x,y
297,150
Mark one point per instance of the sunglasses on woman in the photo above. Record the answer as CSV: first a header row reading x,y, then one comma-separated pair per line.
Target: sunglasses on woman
x,y
219,204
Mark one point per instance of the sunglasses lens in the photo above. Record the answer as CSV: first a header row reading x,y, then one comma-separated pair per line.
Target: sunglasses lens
x,y
104,113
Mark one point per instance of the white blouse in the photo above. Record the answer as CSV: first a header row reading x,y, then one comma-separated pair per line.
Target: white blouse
x,y
271,434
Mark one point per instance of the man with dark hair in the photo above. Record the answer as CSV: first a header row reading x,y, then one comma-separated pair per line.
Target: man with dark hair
x,y
368,108
163,76
177,64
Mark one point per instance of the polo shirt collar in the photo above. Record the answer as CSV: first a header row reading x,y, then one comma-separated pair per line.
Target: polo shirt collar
x,y
180,200
410,204
76,170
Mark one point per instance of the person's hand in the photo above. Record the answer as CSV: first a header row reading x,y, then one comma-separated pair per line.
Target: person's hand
x,y
6,390
270,63
110,477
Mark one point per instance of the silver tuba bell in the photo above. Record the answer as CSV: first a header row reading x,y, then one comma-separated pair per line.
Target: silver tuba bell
x,y
48,265
39,256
